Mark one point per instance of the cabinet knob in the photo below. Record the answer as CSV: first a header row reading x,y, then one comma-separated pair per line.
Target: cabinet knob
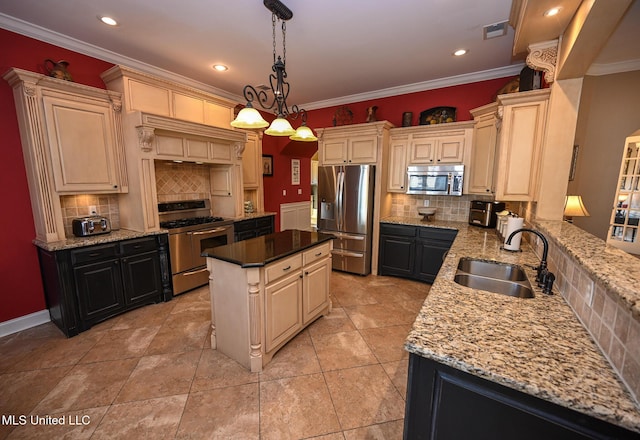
x,y
487,190
300,275
306,273
115,186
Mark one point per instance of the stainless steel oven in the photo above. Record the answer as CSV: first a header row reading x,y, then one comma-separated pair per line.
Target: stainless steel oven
x,y
189,235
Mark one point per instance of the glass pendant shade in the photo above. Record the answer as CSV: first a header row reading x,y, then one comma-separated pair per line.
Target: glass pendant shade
x,y
280,127
303,134
249,117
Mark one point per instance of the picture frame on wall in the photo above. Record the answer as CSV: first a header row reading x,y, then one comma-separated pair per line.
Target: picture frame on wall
x,y
267,165
295,171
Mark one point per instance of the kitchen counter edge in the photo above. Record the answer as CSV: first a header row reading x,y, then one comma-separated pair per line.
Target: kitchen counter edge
x,y
76,242
536,346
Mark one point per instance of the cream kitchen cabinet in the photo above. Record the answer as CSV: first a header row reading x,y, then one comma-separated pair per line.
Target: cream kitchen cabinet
x,y
358,144
397,181
252,162
82,136
426,145
72,143
514,129
265,290
435,150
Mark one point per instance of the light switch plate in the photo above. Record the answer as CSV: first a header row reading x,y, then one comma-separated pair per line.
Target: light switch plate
x,y
426,202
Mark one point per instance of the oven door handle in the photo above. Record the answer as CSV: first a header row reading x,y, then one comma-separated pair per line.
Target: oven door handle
x,y
210,231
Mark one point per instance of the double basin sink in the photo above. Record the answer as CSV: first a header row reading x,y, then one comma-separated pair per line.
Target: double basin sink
x,y
493,276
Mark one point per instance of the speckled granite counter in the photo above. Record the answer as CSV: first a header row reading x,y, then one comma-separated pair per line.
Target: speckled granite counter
x,y
260,251
616,269
536,346
75,242
250,215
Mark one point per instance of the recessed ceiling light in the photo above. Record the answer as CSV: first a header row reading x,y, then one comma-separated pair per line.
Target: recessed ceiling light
x,y
551,12
107,20
220,67
460,52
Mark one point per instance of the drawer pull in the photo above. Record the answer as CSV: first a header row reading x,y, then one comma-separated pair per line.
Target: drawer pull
x,y
286,268
318,254
95,254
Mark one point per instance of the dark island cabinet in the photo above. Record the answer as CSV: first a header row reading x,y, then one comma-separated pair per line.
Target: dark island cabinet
x,y
86,285
444,403
253,227
413,252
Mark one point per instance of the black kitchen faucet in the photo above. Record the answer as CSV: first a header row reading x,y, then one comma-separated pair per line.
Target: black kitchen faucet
x,y
544,278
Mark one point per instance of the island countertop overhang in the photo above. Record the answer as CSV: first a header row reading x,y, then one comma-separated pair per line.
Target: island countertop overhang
x,y
260,251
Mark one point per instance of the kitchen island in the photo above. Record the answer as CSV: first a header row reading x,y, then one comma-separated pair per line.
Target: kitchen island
x,y
265,290
533,354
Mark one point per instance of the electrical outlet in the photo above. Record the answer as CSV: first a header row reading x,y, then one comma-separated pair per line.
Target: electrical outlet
x,y
426,202
284,192
590,293
93,210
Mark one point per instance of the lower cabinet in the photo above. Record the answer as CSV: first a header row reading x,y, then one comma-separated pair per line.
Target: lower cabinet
x,y
413,252
253,227
86,285
446,403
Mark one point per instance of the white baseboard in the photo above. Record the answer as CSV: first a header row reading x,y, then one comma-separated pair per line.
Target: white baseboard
x,y
24,322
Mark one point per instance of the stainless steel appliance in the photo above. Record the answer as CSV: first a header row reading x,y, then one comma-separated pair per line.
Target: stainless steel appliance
x,y
191,230
94,225
435,180
483,213
345,194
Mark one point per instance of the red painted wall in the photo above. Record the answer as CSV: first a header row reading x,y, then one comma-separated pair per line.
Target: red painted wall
x,y
21,291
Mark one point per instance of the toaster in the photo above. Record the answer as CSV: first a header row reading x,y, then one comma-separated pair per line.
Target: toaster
x,y
94,225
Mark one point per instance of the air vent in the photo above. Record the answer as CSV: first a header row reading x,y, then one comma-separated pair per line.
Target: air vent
x,y
494,30
262,87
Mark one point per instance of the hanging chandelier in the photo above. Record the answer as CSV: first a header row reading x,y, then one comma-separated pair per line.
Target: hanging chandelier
x,y
249,117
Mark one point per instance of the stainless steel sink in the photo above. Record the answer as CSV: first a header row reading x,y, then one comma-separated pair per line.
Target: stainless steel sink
x,y
493,276
492,269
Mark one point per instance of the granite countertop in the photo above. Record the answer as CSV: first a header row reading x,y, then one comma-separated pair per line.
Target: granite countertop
x,y
535,345
260,251
75,242
250,215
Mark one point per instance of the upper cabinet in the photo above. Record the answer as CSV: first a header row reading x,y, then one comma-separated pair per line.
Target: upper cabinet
x,y
71,141
512,129
357,144
426,145
150,94
252,162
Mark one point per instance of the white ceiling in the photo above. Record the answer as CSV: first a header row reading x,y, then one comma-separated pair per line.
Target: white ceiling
x,y
337,51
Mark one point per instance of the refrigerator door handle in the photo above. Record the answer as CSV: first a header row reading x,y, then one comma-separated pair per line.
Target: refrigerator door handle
x,y
348,236
340,197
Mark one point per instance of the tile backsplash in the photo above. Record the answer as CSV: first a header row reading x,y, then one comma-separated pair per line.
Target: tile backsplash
x,y
78,206
182,181
449,208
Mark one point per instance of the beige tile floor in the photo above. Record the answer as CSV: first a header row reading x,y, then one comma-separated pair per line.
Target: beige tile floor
x,y
151,374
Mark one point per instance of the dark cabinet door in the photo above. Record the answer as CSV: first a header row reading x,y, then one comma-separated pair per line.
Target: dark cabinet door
x,y
429,258
99,290
141,278
445,403
397,255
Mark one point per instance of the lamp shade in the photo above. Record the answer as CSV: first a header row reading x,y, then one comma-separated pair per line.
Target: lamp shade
x,y
573,207
303,134
280,127
249,117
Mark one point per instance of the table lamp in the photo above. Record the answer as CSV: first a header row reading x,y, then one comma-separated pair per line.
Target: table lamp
x,y
573,207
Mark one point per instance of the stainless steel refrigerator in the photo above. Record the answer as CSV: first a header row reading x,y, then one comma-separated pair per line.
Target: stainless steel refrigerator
x,y
345,196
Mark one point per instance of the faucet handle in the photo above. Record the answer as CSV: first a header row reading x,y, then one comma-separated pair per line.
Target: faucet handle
x,y
548,283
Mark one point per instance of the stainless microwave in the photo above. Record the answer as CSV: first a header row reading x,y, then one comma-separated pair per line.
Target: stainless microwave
x,y
442,180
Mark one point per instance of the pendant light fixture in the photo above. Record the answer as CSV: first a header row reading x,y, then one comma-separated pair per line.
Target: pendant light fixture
x,y
249,117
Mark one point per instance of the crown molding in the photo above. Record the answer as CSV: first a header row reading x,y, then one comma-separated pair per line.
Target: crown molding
x,y
610,68
466,78
39,33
